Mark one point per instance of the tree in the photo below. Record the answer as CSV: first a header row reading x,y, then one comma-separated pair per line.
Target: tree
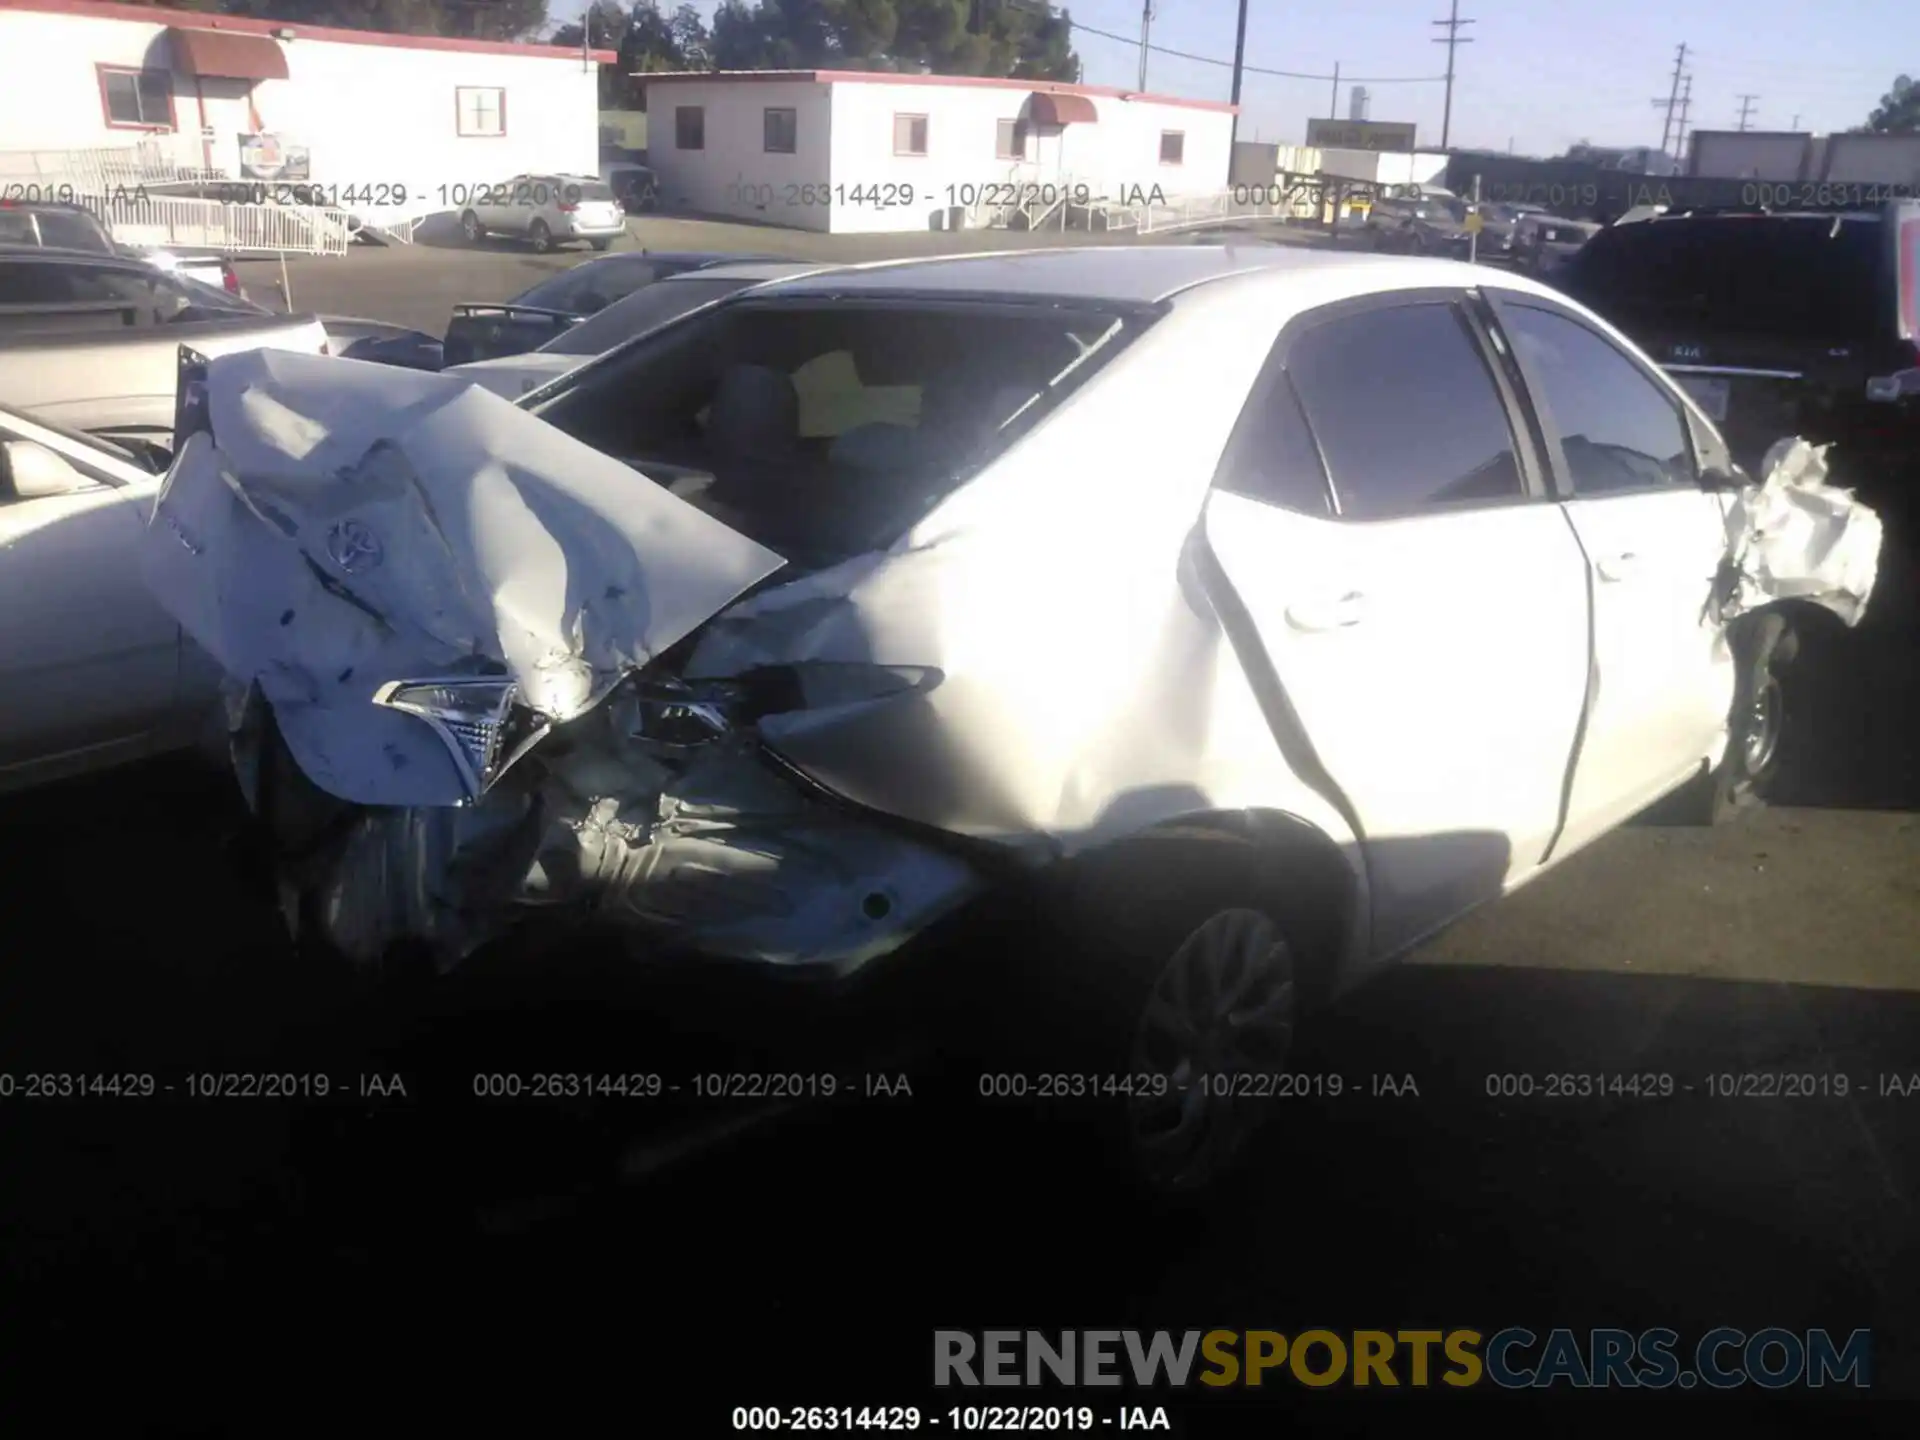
x,y
465,19
646,39
1899,112
945,37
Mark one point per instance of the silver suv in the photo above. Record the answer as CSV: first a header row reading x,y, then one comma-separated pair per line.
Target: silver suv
x,y
547,210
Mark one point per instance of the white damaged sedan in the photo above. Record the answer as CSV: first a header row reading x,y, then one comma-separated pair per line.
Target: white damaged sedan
x,y
1269,609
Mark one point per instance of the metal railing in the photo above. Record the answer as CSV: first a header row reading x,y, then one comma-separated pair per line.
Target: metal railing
x,y
170,221
90,173
1192,212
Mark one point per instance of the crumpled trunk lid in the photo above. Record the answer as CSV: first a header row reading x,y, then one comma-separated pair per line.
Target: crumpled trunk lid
x,y
339,525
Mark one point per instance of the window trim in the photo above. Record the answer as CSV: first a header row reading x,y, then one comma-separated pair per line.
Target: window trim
x,y
1179,135
1019,132
1533,479
926,145
792,112
100,74
1497,302
460,132
679,142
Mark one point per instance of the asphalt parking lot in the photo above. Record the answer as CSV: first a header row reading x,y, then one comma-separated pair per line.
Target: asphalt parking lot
x,y
232,1254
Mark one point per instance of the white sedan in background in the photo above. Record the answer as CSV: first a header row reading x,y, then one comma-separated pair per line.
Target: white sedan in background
x,y
93,672
645,309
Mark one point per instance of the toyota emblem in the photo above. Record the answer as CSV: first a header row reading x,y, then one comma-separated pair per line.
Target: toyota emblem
x,y
353,547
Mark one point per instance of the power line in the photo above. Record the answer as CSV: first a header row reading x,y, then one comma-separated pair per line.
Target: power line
x,y
1453,41
1746,108
1130,42
1673,98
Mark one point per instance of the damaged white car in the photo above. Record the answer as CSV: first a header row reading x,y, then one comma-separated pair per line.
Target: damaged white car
x,y
1267,608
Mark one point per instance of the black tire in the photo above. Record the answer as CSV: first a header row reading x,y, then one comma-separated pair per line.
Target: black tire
x,y
471,227
1764,647
601,244
1129,935
540,237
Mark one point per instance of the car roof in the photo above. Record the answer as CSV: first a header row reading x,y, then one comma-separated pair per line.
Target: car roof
x,y
1113,274
751,270
59,254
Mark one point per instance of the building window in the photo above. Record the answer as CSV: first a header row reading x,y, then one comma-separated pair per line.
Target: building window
x,y
1010,140
480,112
137,99
1173,146
689,127
781,131
909,134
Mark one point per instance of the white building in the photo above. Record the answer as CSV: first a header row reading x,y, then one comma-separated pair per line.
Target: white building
x,y
391,123
846,151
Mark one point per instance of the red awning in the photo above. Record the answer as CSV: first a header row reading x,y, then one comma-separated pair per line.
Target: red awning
x,y
1044,107
227,54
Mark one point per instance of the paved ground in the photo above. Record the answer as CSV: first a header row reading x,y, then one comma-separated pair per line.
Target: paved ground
x,y
418,285
233,1265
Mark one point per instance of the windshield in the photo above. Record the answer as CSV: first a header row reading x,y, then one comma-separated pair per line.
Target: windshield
x,y
645,310
825,429
11,424
1789,275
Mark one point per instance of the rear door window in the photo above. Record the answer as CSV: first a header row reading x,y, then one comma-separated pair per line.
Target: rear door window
x,y
1618,429
648,309
1405,410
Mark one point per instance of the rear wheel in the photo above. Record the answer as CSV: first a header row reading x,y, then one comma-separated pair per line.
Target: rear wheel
x,y
1165,992
602,243
540,237
471,227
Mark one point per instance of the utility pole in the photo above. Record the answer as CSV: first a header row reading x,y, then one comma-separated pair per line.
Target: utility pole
x,y
1452,40
1333,105
1239,64
1686,104
1796,123
1673,99
1146,27
1746,108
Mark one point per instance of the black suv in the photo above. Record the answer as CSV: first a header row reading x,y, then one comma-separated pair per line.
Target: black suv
x,y
1802,323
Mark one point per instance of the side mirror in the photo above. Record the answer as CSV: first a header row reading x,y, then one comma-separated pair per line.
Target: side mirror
x,y
33,472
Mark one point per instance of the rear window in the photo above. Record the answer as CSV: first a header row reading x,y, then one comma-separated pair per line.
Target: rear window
x,y
824,429
1794,276
591,287
594,190
640,312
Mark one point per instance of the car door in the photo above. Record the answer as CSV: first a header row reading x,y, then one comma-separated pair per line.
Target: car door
x,y
88,660
1420,599
1620,444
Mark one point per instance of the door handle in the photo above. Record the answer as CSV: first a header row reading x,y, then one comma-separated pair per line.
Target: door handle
x,y
1620,567
1350,609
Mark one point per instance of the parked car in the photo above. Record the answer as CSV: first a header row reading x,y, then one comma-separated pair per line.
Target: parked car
x,y
1801,323
545,211
1543,245
1244,613
556,304
1499,228
67,226
381,342
646,309
1422,220
93,341
93,672
635,186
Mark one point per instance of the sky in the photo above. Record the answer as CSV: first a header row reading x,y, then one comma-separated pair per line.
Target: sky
x,y
1539,76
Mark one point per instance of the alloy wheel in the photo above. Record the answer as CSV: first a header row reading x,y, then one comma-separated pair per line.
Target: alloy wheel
x,y
1216,1026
